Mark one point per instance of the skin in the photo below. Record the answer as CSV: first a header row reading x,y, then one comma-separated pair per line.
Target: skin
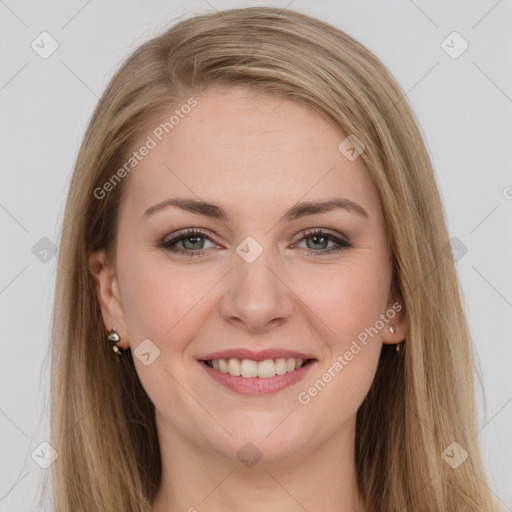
x,y
256,156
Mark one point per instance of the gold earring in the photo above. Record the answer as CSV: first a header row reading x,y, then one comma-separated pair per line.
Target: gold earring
x,y
114,338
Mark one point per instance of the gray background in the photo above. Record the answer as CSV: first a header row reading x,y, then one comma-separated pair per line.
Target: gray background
x,y
464,106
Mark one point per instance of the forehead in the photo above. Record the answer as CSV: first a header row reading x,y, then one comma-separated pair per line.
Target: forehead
x,y
240,145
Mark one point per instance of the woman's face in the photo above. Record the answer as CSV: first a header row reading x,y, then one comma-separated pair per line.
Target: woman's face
x,y
256,288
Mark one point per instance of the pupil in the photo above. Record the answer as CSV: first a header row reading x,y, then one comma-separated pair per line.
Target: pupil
x,y
317,238
192,238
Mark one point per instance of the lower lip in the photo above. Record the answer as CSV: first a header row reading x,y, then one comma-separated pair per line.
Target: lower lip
x,y
257,385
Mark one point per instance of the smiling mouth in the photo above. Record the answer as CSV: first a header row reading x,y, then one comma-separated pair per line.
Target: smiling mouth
x,y
265,369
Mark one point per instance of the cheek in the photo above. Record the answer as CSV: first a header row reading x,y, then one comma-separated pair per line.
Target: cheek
x,y
165,304
160,299
347,307
347,298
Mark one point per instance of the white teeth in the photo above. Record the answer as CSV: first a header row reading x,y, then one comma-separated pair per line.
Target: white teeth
x,y
234,367
223,366
262,369
281,366
266,369
249,368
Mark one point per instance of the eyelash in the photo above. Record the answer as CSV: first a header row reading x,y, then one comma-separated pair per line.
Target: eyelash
x,y
169,245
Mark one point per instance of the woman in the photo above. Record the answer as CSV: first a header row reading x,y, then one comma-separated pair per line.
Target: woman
x,y
254,228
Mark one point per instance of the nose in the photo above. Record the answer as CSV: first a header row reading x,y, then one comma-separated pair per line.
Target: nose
x,y
256,295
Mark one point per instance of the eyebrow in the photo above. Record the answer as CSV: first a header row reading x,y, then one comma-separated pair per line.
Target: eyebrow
x,y
295,212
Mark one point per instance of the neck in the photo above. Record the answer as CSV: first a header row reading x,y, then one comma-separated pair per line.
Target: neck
x,y
321,478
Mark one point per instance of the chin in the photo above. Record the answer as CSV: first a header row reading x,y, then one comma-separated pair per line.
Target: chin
x,y
267,441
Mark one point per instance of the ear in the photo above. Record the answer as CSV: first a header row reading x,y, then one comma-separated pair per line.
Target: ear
x,y
109,297
395,316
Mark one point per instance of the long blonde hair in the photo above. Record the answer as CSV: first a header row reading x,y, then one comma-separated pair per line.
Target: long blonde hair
x,y
422,398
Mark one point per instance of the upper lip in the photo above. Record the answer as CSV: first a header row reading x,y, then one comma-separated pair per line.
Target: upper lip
x,y
243,353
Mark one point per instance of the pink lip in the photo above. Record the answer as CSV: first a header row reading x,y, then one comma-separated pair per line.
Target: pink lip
x,y
257,385
242,353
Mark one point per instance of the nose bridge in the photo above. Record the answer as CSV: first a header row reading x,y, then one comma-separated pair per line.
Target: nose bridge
x,y
253,261
256,294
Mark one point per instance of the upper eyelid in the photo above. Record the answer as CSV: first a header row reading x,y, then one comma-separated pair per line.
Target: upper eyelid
x,y
190,232
187,232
